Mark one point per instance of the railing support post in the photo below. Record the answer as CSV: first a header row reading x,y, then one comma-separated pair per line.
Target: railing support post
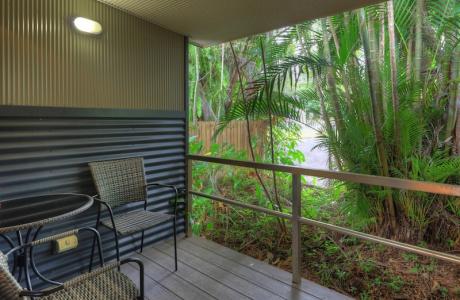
x,y
296,240
189,197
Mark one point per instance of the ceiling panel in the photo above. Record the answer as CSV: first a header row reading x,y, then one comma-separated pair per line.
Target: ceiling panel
x,y
209,22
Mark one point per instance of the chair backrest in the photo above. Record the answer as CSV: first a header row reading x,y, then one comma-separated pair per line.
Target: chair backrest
x,y
9,287
120,181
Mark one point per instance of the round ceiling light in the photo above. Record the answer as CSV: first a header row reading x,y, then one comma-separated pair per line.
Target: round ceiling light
x,y
87,26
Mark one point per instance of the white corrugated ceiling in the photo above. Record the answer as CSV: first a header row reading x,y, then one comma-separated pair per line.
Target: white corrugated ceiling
x,y
209,22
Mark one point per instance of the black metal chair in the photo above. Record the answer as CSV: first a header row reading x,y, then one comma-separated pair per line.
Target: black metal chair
x,y
119,182
104,283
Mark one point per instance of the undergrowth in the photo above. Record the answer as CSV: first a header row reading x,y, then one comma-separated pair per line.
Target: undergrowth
x,y
361,269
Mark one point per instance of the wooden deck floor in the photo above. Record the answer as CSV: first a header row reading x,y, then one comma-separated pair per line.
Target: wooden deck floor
x,y
210,271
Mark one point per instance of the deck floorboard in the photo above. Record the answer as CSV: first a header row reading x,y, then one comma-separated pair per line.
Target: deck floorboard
x,y
307,286
153,290
207,270
284,290
182,283
224,277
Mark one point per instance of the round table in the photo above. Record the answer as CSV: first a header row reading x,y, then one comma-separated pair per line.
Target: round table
x,y
34,212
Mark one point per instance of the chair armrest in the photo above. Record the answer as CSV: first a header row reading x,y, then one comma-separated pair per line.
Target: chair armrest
x,y
103,203
177,191
109,208
98,200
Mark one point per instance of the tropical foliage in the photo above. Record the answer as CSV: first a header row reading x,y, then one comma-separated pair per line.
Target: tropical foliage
x,y
381,85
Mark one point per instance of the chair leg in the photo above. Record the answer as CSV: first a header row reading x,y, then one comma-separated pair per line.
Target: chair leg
x,y
175,245
142,241
117,244
94,239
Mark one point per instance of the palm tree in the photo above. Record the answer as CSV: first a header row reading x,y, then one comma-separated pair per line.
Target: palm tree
x,y
372,73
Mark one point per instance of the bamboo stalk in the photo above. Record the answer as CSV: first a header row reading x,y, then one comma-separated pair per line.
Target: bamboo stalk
x,y
331,79
394,79
377,124
418,40
346,83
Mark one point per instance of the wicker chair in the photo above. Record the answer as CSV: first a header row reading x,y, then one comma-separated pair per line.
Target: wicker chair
x,y
122,181
104,283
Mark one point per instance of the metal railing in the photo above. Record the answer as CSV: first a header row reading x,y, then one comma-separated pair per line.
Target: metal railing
x,y
296,217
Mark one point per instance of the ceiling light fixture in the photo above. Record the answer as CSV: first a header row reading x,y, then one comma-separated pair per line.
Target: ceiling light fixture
x,y
87,26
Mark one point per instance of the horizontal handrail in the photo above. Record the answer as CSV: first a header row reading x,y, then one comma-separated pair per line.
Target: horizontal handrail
x,y
397,183
343,230
297,219
377,239
244,205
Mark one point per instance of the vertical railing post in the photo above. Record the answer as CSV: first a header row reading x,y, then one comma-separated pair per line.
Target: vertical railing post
x,y
188,208
296,240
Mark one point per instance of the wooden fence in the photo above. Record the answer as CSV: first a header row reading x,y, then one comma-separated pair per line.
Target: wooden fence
x,y
234,134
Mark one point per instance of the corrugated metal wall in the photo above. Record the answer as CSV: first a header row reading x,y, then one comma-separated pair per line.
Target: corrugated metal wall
x,y
45,150
44,62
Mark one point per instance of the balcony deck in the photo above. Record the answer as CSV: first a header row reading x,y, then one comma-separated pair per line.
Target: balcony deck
x,y
210,271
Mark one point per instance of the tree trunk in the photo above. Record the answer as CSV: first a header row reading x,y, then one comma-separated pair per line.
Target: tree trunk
x,y
353,71
419,9
343,74
381,50
222,67
375,67
409,58
377,124
334,36
248,131
382,36
234,77
208,113
331,79
394,80
268,94
324,114
454,97
197,79
327,122
229,101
